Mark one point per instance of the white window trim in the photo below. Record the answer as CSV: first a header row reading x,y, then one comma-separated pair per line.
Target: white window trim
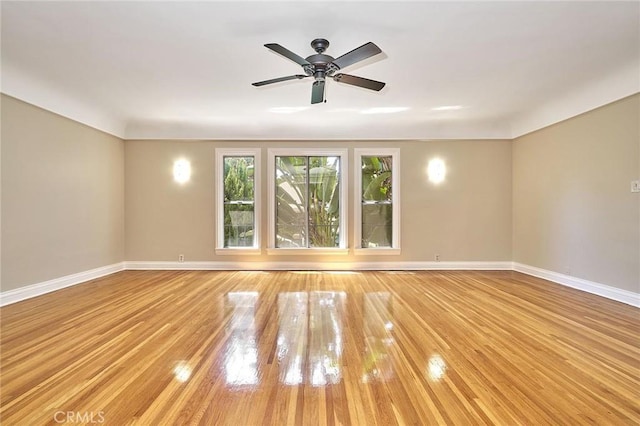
x,y
394,153
219,171
343,249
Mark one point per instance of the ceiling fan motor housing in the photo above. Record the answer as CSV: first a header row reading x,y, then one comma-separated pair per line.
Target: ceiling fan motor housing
x,y
322,65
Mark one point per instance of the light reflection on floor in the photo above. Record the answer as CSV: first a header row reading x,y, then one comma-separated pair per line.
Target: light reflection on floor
x,y
378,326
241,363
310,337
436,368
182,371
310,340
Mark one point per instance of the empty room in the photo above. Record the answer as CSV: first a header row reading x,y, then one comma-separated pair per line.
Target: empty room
x,y
320,213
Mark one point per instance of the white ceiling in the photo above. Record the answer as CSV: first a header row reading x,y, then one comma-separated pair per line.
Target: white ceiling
x,y
184,70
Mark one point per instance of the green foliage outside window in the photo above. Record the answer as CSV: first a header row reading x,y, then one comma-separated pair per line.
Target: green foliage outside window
x,y
238,201
307,201
377,207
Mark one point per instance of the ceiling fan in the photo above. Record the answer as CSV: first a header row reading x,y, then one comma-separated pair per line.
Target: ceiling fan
x,y
321,66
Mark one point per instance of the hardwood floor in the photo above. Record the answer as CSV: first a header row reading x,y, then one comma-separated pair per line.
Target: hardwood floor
x,y
362,348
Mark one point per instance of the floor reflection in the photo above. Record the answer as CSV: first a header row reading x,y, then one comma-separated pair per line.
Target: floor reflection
x,y
182,371
292,336
378,326
325,337
310,337
436,368
241,355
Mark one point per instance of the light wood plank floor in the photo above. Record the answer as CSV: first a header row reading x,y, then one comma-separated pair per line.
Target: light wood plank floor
x,y
366,348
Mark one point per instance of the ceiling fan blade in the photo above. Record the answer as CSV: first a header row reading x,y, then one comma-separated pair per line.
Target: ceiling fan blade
x,y
317,92
287,53
363,52
279,79
359,81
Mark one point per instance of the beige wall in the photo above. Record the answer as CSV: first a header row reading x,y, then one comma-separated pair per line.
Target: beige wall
x,y
467,218
573,211
62,196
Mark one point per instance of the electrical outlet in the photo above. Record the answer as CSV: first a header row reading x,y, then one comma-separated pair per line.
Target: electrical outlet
x,y
181,258
635,186
436,258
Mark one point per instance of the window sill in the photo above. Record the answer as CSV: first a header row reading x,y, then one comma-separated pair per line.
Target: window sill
x,y
244,251
382,251
307,251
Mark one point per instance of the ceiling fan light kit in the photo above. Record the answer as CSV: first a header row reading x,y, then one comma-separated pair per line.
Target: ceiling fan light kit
x,y
320,66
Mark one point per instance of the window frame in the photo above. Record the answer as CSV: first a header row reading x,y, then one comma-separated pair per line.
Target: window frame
x,y
221,153
343,247
394,153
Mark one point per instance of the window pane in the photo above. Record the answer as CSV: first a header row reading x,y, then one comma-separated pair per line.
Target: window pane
x,y
324,202
376,178
239,218
238,178
307,201
291,201
238,225
377,208
377,225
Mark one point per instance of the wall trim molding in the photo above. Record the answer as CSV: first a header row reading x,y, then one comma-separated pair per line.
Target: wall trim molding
x,y
23,293
316,266
617,294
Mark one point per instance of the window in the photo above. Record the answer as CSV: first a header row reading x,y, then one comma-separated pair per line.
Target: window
x,y
377,206
238,205
307,192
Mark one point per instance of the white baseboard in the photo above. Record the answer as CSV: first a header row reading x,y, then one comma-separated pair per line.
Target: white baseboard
x,y
13,296
22,293
624,296
317,266
38,289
